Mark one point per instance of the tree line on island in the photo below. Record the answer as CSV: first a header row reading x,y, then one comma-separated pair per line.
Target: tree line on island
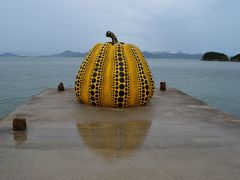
x,y
217,56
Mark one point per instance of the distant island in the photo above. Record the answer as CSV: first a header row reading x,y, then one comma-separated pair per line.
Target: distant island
x,y
217,56
235,58
8,55
171,55
69,53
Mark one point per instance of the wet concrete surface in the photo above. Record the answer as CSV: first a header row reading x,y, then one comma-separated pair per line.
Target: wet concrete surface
x,y
174,137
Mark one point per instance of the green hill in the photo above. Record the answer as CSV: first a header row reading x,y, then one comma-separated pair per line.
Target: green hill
x,y
235,58
8,55
215,56
68,53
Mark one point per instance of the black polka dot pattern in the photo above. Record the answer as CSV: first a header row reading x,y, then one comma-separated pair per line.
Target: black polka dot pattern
x,y
96,80
120,87
109,69
148,70
81,73
142,79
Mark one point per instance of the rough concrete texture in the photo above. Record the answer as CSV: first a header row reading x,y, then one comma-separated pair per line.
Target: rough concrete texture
x,y
174,137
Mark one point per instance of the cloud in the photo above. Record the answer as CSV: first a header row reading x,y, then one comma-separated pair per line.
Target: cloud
x,y
44,26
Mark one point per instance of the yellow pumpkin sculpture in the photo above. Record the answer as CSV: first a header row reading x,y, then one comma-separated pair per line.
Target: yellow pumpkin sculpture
x,y
114,74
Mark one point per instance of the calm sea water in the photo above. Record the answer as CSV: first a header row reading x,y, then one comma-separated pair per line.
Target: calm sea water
x,y
217,83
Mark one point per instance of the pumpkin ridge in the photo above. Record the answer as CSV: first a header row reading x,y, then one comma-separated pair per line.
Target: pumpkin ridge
x,y
96,80
133,80
146,69
120,86
81,73
137,74
144,84
114,91
87,76
108,78
126,73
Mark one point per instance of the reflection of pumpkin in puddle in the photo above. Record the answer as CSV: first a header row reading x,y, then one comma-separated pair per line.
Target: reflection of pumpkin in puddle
x,y
113,138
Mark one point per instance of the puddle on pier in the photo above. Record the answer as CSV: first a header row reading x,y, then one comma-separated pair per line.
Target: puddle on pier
x,y
114,139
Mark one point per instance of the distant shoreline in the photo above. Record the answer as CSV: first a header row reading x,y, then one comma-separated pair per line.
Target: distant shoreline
x,y
214,56
160,54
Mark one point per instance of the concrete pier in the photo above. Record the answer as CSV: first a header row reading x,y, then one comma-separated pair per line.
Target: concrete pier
x,y
174,137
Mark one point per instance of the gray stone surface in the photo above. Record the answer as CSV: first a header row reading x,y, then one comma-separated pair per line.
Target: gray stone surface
x,y
174,137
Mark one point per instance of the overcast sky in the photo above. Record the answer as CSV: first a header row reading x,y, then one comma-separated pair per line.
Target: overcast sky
x,y
38,27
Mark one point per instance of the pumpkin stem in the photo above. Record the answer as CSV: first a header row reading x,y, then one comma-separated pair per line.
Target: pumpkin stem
x,y
111,35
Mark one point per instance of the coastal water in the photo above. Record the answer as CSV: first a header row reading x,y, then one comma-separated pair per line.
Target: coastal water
x,y
217,83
